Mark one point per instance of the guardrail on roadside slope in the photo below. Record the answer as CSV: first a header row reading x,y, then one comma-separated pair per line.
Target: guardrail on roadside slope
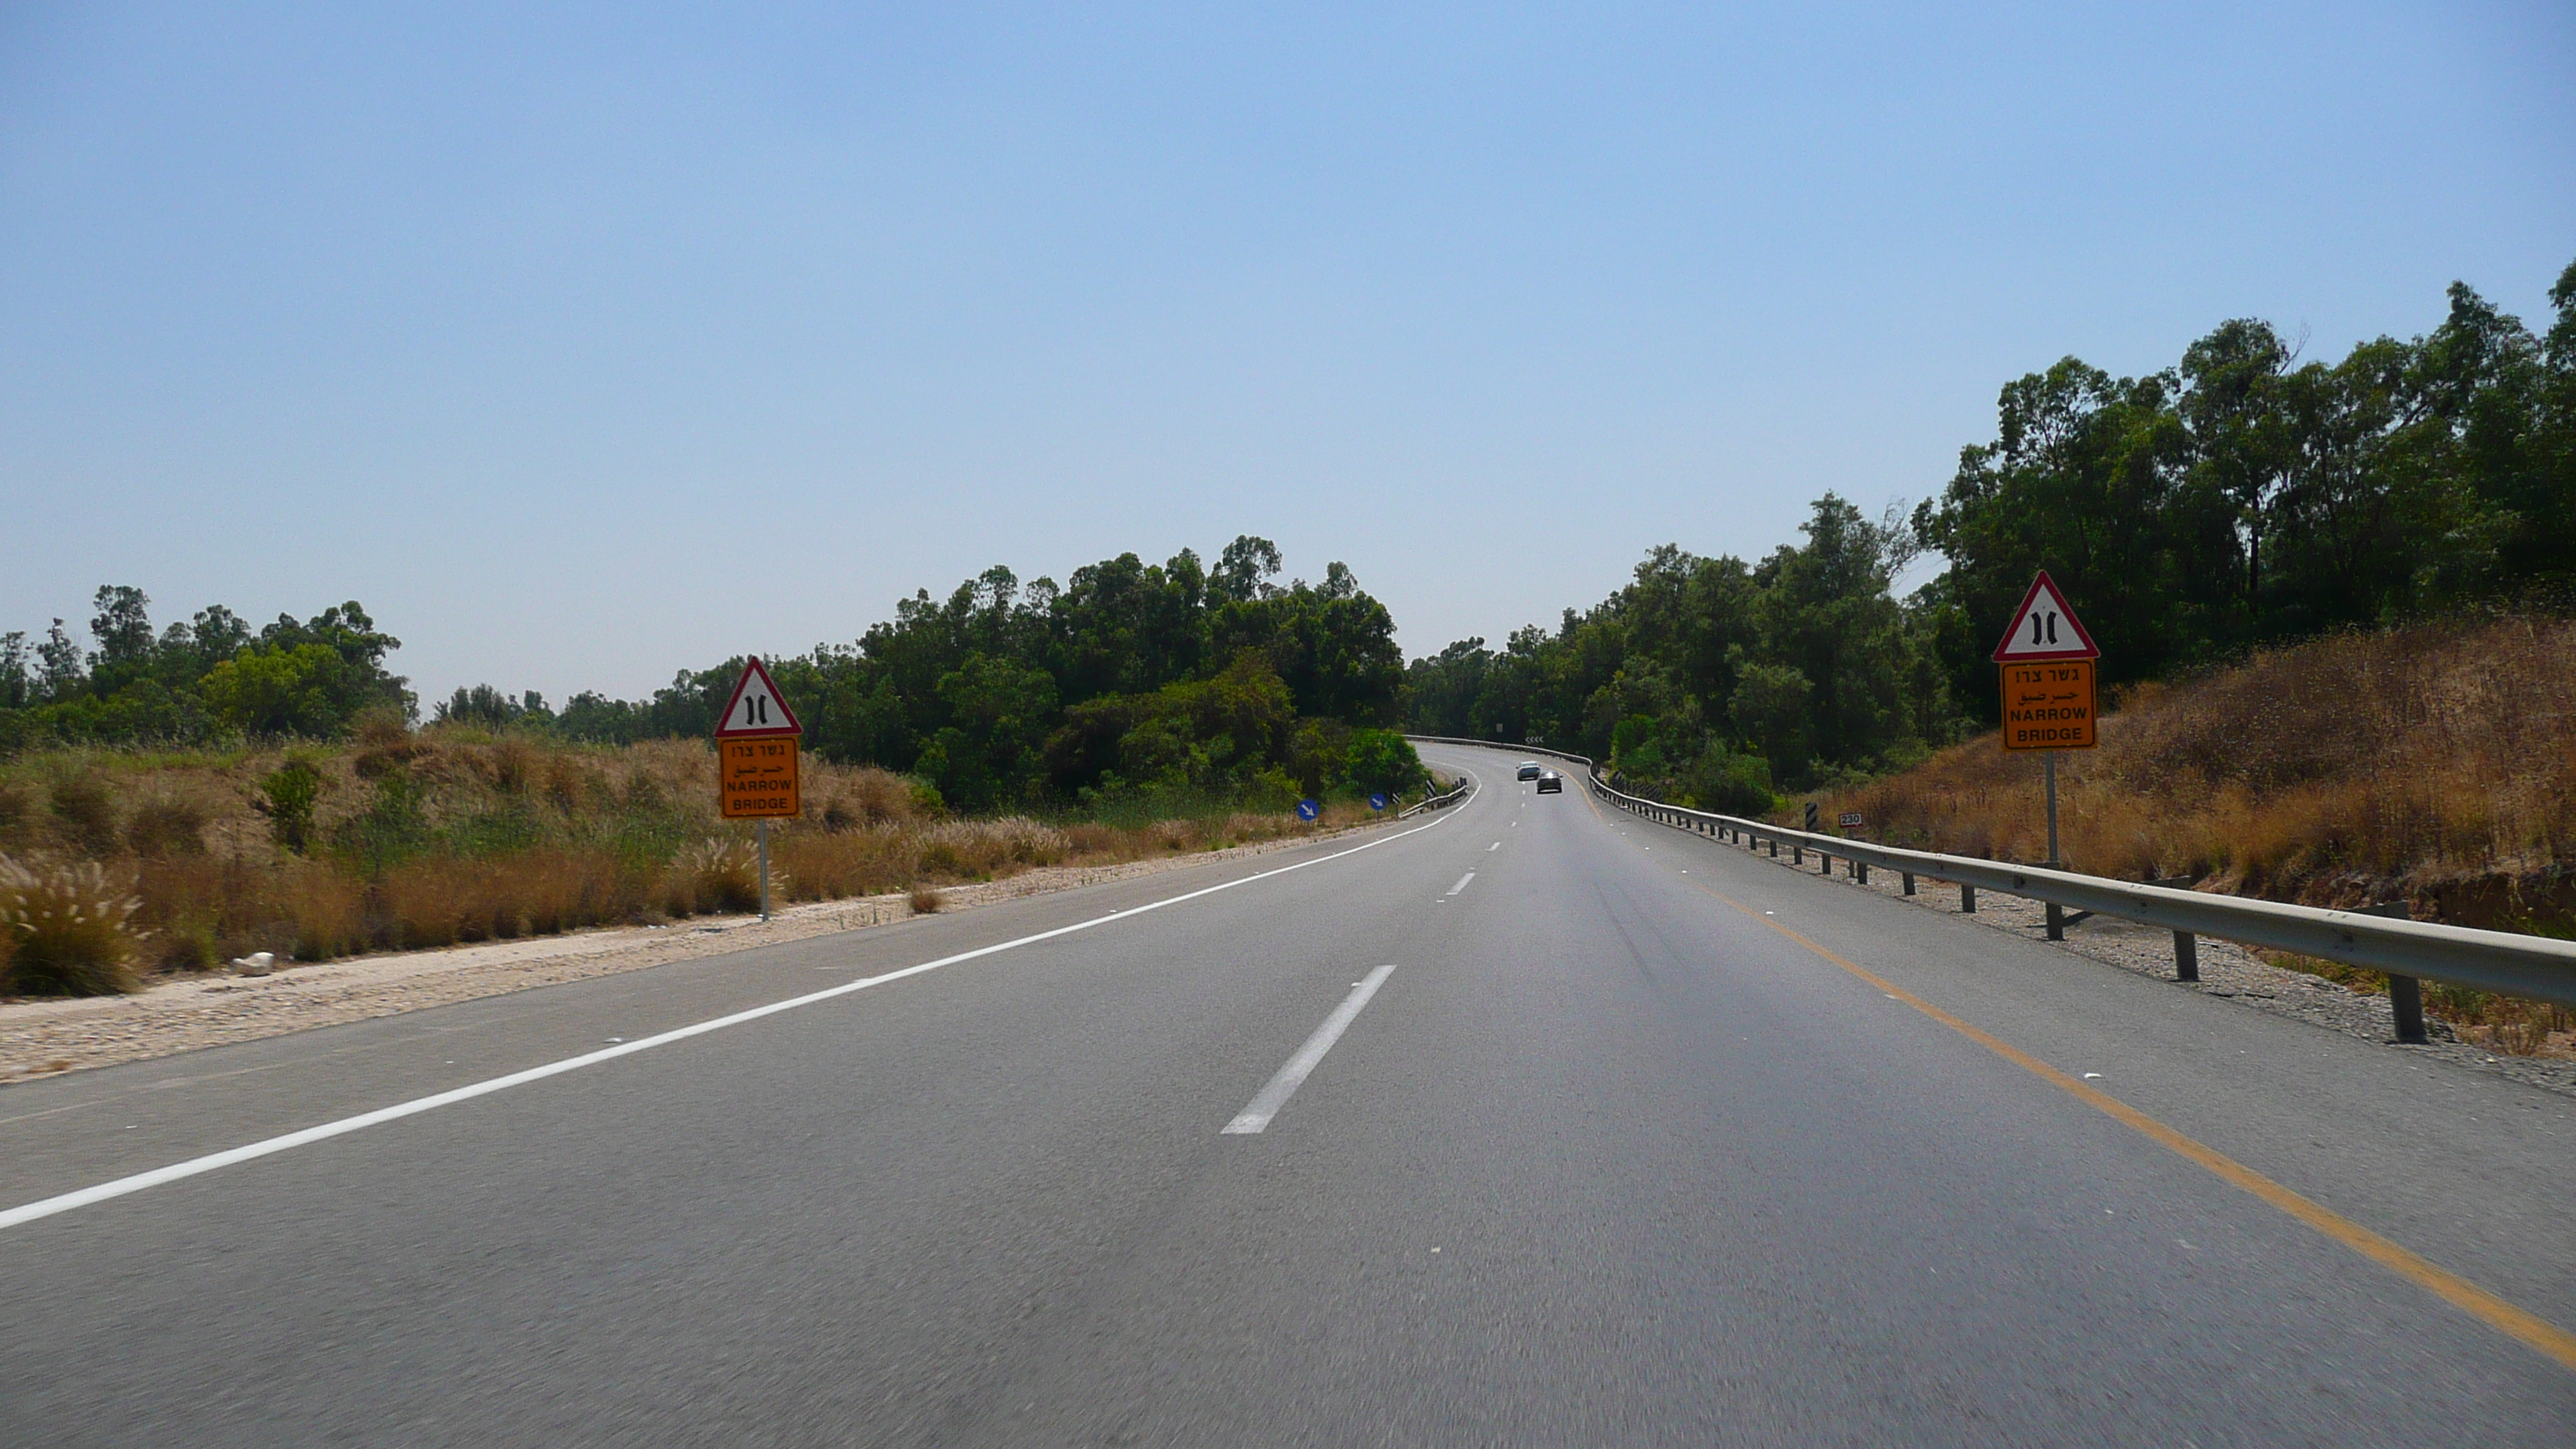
x,y
2518,965
1434,802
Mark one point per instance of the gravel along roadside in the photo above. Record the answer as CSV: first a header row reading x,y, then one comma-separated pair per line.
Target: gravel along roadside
x,y
47,1037
2226,970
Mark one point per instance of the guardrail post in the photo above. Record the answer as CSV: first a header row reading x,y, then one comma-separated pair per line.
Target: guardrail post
x,y
1967,900
2405,993
1797,853
2186,956
2056,922
1824,863
1909,881
1775,847
1860,871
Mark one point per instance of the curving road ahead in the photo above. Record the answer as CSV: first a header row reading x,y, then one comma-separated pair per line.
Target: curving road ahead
x,y
1530,1123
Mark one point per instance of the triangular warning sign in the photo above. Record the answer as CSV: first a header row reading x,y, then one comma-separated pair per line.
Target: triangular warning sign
x,y
2044,628
757,708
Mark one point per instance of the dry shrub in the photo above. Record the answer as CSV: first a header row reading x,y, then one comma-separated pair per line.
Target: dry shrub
x,y
67,927
718,875
866,795
572,783
442,901
2523,1028
2432,763
167,825
517,835
983,849
383,753
2331,771
327,913
84,813
925,901
814,865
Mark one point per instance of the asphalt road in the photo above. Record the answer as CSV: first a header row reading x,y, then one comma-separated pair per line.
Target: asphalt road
x,y
1609,1150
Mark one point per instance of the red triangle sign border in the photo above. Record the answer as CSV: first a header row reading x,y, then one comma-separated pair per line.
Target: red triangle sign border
x,y
2084,648
726,731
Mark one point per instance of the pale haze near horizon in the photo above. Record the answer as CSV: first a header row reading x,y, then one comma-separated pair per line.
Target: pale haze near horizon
x,y
587,346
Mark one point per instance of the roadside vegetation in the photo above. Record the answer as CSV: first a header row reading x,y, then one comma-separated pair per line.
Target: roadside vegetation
x,y
115,865
2241,500
173,798
2433,763
2330,595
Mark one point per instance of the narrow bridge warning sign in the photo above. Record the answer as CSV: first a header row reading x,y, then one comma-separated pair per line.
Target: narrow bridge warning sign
x,y
756,759
2049,706
2044,627
2047,661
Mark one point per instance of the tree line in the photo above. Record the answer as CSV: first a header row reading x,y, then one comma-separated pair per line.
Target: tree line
x,y
1129,681
202,678
2242,497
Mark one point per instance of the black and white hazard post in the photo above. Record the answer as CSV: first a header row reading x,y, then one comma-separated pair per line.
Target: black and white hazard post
x,y
2047,661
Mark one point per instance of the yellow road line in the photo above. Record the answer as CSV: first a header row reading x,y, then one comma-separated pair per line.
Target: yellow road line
x,y
2514,1322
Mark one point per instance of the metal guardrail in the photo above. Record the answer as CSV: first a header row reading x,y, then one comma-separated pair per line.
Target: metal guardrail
x,y
1436,801
2533,966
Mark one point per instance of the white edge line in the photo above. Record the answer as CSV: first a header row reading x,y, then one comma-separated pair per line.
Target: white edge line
x,y
120,1187
1265,1104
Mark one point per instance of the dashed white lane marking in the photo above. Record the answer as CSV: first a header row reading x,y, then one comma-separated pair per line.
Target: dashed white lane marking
x,y
1490,849
1257,1113
1462,882
65,1202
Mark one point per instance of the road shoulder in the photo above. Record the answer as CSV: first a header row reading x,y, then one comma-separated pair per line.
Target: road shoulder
x,y
40,1039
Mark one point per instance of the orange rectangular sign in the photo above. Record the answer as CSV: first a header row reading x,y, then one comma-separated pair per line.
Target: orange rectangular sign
x,y
756,778
2049,706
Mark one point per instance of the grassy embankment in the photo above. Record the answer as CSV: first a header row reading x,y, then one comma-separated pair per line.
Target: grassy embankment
x,y
405,840
2435,763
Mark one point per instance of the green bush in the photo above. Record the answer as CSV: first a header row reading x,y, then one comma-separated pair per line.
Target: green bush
x,y
1382,760
1635,747
392,829
67,930
286,797
1730,783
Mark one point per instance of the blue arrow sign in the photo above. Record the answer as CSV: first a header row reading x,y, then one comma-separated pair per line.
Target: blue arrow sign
x,y
1378,802
1308,809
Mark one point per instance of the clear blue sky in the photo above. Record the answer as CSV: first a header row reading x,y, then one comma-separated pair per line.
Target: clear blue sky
x,y
583,345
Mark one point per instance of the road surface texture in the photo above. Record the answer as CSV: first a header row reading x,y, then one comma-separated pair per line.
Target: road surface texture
x,y
1625,1137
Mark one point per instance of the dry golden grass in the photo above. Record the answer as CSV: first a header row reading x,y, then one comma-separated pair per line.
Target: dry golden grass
x,y
66,928
2340,770
509,835
2435,763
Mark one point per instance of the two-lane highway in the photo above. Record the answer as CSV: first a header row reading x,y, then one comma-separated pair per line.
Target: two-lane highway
x,y
1570,1130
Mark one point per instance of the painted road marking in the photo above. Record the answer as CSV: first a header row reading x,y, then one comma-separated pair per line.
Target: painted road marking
x,y
2503,1315
1490,849
2498,1313
84,1197
1257,1113
1462,882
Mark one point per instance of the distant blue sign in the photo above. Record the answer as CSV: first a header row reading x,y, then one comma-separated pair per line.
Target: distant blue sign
x,y
1308,809
1379,802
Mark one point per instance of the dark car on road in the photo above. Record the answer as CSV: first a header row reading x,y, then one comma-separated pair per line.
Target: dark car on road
x,y
1529,769
1551,783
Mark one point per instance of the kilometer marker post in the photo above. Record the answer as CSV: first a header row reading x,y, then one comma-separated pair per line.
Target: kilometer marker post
x,y
756,760
2048,704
